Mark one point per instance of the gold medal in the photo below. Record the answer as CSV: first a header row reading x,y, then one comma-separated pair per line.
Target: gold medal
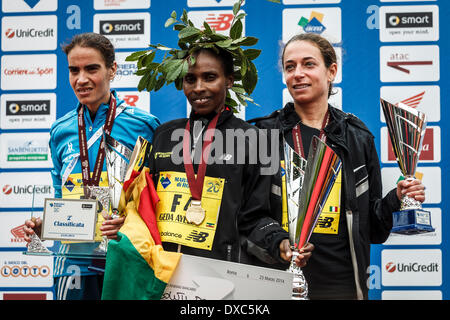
x,y
195,213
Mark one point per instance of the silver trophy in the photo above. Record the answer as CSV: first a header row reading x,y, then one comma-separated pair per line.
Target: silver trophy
x,y
295,167
117,161
308,185
406,127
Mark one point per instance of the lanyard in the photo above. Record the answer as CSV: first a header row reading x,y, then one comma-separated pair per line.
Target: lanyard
x,y
84,156
297,136
196,183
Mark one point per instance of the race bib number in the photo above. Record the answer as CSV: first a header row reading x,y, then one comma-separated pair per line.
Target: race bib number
x,y
175,197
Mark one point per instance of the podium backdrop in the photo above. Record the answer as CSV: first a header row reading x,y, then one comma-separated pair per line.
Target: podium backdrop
x,y
394,49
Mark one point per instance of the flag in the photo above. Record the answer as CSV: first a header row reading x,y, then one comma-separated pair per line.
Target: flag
x,y
137,267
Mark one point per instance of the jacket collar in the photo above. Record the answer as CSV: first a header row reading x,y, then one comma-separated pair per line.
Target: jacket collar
x,y
224,116
334,130
102,109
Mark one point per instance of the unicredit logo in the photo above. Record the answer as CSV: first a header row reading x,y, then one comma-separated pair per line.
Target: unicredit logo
x,y
27,189
10,33
30,33
7,189
411,267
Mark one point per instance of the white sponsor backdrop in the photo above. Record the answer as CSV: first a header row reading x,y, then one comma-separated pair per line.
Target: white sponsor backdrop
x,y
395,49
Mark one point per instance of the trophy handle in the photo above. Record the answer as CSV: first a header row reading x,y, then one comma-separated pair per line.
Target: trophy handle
x,y
299,284
36,245
408,203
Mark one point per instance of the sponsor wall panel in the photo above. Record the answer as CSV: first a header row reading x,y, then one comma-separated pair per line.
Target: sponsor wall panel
x,y
39,33
411,267
17,189
395,49
412,295
27,111
28,72
26,295
19,270
19,150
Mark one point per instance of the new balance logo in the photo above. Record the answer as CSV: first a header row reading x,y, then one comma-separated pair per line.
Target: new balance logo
x,y
197,236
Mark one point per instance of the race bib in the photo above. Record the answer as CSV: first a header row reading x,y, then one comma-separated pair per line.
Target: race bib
x,y
175,197
328,222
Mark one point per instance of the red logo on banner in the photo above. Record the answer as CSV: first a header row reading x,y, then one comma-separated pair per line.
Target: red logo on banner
x,y
18,232
131,99
220,22
427,153
9,33
414,101
390,267
7,189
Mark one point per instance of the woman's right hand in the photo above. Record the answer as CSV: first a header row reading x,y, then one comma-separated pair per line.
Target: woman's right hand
x,y
32,226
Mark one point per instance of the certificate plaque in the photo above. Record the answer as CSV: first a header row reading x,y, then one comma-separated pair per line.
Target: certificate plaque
x,y
199,278
69,219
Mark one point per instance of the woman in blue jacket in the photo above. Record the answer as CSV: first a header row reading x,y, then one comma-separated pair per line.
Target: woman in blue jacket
x,y
92,66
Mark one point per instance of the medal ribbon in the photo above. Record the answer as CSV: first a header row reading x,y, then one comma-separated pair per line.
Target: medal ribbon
x,y
196,184
297,136
84,156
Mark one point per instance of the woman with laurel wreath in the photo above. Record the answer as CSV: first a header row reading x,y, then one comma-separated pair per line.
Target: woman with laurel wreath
x,y
210,202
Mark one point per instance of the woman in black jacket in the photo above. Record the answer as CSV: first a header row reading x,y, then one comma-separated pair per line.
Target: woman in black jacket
x,y
357,214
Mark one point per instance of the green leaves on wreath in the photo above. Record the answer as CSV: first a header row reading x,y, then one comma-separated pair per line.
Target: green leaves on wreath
x,y
175,62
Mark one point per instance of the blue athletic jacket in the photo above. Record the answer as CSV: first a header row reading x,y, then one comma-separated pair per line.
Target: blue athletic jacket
x,y
64,145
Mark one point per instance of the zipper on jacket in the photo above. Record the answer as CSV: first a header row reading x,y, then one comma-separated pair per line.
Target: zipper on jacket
x,y
229,249
349,218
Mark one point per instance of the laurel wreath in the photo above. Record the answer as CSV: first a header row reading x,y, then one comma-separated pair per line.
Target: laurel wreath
x,y
175,62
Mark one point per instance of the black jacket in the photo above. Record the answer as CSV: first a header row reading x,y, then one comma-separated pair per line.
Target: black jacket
x,y
368,215
245,228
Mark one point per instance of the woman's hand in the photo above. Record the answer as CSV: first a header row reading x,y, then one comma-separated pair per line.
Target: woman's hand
x,y
412,188
32,226
302,258
111,226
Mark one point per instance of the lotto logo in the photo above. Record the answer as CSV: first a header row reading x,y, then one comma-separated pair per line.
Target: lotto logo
x,y
24,271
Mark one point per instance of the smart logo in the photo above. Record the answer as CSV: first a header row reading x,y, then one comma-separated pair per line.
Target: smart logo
x,y
121,27
409,20
36,107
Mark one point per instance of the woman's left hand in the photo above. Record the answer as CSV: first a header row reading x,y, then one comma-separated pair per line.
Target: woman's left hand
x,y
302,259
411,188
110,227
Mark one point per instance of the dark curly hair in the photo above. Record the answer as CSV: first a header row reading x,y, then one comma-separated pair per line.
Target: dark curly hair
x,y
95,41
